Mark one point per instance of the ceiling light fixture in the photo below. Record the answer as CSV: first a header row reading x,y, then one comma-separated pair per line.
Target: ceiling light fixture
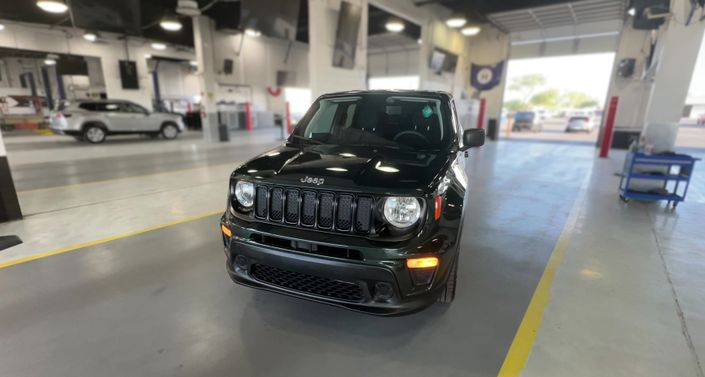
x,y
2,27
193,63
158,46
469,31
394,25
456,21
170,23
53,6
90,37
49,61
631,11
147,56
252,32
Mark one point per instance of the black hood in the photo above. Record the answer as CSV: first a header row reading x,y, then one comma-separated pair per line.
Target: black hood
x,y
365,169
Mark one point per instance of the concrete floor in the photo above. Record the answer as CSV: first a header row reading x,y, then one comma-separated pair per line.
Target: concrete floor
x,y
626,300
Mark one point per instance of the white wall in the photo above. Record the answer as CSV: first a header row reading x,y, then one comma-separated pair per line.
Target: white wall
x,y
323,23
64,40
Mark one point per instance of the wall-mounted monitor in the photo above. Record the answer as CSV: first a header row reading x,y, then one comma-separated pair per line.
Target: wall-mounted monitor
x,y
443,61
72,65
346,35
228,66
273,18
128,74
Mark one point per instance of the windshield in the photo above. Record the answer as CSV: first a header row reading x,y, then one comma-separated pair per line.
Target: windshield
x,y
525,115
388,120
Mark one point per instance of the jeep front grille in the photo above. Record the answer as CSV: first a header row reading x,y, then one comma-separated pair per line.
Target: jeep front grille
x,y
340,212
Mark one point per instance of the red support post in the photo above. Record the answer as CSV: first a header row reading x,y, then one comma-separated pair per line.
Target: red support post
x,y
248,116
287,115
609,127
481,115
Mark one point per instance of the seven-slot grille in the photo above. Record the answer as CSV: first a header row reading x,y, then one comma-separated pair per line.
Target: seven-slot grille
x,y
340,212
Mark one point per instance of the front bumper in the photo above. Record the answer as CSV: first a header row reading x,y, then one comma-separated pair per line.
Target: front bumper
x,y
360,285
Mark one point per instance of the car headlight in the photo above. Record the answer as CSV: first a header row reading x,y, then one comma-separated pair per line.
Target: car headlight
x,y
245,193
402,212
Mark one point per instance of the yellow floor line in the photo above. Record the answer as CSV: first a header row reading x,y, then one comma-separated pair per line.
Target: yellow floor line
x,y
525,337
106,239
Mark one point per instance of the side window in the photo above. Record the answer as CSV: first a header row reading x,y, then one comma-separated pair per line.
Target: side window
x,y
107,107
85,106
133,108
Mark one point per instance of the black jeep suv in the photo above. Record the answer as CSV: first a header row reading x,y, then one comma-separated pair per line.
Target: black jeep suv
x,y
361,208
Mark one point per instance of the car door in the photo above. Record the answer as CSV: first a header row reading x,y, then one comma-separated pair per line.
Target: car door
x,y
138,117
115,119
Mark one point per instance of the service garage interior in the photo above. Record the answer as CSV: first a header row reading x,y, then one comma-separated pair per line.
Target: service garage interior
x,y
352,188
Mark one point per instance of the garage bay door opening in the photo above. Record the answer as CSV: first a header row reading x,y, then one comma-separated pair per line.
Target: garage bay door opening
x,y
556,98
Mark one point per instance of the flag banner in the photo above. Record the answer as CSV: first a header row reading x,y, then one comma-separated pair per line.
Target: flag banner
x,y
486,77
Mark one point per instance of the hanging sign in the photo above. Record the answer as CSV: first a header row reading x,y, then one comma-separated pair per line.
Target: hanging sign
x,y
486,77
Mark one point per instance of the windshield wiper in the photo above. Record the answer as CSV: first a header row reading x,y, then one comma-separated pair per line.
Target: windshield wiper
x,y
303,138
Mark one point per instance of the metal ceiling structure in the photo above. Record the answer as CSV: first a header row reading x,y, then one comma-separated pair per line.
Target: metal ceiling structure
x,y
569,13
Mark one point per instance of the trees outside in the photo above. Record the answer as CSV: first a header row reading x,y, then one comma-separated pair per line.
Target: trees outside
x,y
532,94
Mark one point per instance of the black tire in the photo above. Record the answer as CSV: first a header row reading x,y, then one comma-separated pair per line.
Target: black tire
x,y
448,294
169,131
94,134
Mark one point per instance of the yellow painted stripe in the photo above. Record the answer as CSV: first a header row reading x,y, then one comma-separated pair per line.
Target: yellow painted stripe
x,y
106,239
525,337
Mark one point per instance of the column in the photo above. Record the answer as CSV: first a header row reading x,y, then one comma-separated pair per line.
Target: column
x,y
323,76
9,204
203,30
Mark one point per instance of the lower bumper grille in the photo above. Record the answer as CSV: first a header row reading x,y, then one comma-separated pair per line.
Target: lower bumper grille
x,y
308,283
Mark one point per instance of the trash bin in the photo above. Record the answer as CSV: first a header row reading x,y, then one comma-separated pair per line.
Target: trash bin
x,y
492,129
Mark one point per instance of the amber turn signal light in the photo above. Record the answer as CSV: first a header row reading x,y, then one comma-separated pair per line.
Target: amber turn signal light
x,y
422,262
226,231
438,208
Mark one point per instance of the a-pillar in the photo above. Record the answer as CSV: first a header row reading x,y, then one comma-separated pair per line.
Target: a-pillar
x,y
322,25
9,204
203,30
656,94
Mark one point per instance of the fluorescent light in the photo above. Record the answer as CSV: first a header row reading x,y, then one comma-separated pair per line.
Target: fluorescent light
x,y
394,25
53,6
253,32
469,31
631,11
170,23
90,37
147,56
456,21
419,41
158,46
49,61
2,27
193,63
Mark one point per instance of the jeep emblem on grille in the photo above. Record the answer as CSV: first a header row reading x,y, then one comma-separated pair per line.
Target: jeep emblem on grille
x,y
311,180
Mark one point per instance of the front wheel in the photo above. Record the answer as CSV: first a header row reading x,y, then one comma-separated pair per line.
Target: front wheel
x,y
169,131
448,294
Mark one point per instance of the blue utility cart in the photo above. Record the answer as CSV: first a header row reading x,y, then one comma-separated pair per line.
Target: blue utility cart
x,y
674,170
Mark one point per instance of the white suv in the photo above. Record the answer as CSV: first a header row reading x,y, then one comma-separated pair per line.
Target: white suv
x,y
93,120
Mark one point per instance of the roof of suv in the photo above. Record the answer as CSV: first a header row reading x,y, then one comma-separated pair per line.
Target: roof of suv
x,y
394,91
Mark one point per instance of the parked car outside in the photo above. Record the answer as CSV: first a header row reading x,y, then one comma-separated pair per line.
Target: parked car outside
x,y
527,120
361,208
579,123
94,120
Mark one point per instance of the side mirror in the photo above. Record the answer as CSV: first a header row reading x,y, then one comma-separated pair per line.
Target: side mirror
x,y
474,137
